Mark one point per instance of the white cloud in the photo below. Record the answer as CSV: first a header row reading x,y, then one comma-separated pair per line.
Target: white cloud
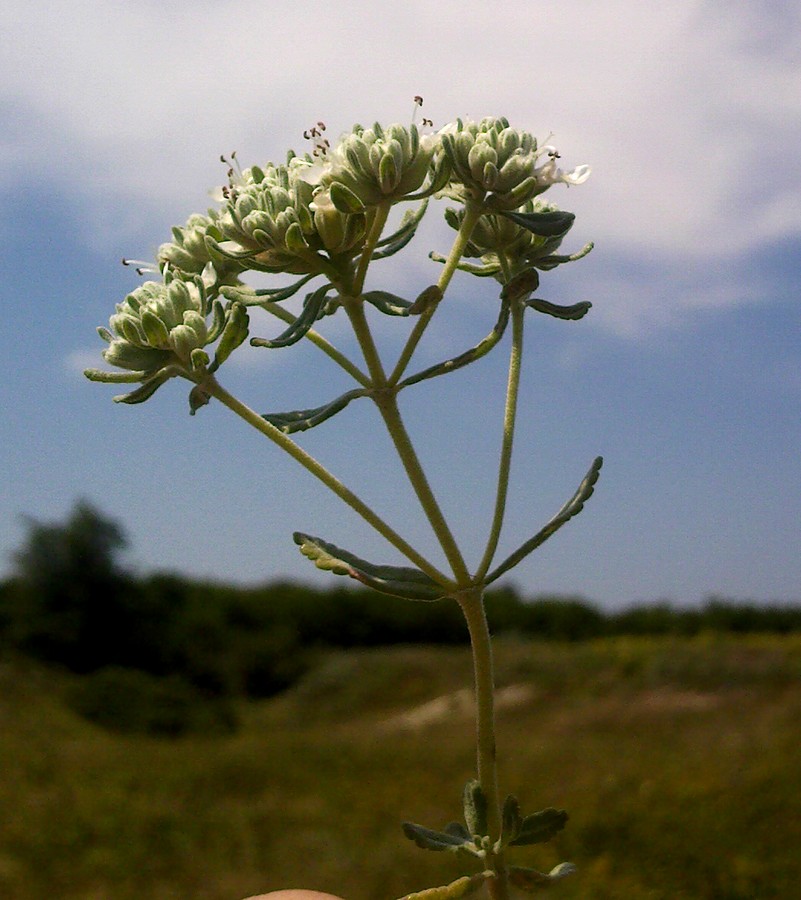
x,y
688,112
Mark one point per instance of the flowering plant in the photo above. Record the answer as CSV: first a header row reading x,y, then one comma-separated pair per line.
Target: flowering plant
x,y
322,218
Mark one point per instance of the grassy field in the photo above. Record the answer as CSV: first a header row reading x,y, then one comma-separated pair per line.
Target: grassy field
x,y
679,761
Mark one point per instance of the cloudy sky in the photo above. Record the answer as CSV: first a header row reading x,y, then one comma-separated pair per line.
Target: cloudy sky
x,y
686,375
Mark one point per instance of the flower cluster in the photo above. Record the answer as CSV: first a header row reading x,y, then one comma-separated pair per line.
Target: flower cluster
x,y
191,252
376,165
160,330
270,222
321,216
499,166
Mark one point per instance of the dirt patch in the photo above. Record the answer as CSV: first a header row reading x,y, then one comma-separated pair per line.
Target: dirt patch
x,y
454,706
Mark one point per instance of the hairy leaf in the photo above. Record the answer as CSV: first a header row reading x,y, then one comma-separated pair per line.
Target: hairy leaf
x,y
574,312
556,223
540,827
462,887
572,508
304,419
475,808
399,581
429,839
482,348
530,881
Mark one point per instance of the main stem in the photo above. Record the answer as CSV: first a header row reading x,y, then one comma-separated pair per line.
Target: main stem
x,y
472,604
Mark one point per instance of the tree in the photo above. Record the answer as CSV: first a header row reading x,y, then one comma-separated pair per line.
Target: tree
x,y
71,589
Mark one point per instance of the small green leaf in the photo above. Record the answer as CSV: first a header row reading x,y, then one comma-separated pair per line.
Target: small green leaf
x,y
234,333
389,304
475,808
530,881
481,349
462,887
540,827
313,306
510,822
398,581
344,199
428,839
399,239
427,298
304,419
198,396
114,377
572,508
483,271
574,312
149,387
521,285
556,223
251,297
554,260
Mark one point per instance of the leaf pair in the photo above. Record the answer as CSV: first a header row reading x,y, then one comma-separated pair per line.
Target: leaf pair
x,y
404,581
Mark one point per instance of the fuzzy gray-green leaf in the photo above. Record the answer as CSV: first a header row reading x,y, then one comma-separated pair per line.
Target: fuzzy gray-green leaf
x,y
428,839
573,507
530,881
389,304
398,581
313,306
540,827
556,223
574,312
475,808
304,419
481,349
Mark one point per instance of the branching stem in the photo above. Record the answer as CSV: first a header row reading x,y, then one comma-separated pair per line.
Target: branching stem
x,y
214,389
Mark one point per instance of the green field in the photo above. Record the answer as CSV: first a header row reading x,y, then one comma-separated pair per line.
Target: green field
x,y
678,759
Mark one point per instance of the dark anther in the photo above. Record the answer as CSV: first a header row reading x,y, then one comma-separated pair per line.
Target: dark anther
x,y
418,100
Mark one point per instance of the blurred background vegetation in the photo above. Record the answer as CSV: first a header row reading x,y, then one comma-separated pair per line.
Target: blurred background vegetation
x,y
165,738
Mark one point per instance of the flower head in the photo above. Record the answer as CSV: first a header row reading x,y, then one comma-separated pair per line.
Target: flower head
x,y
270,224
500,166
157,324
190,253
374,165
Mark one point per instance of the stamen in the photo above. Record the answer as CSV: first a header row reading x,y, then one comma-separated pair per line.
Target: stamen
x,y
418,102
142,267
319,144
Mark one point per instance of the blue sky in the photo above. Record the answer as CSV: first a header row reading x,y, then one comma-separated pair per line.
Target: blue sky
x,y
686,375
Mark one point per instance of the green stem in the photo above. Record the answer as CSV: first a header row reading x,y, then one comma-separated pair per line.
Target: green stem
x,y
472,604
472,214
214,389
373,237
354,307
510,414
386,401
388,407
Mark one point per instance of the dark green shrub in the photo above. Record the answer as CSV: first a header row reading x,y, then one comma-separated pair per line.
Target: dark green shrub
x,y
128,700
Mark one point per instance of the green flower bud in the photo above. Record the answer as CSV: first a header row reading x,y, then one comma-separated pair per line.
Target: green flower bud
x,y
191,254
377,165
500,166
162,322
